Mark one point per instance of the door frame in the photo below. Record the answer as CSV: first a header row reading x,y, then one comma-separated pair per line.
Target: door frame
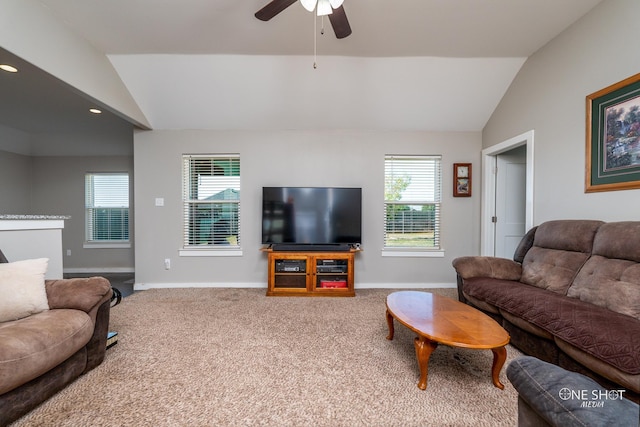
x,y
489,159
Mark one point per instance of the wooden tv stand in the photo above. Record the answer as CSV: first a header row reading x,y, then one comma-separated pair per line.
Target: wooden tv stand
x,y
325,274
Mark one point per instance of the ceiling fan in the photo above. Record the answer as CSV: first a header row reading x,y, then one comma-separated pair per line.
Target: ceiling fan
x,y
332,8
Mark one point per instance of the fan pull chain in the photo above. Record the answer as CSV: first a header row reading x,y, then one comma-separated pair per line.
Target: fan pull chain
x,y
315,39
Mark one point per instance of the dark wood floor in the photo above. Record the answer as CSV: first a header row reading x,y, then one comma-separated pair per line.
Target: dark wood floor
x,y
121,281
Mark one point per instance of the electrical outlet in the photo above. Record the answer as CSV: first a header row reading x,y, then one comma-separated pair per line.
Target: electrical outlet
x,y
68,252
167,263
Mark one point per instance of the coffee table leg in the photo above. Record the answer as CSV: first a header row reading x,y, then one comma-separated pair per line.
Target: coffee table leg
x,y
499,357
424,348
390,324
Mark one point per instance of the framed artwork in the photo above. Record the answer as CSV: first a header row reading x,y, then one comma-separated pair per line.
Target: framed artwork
x,y
613,137
462,180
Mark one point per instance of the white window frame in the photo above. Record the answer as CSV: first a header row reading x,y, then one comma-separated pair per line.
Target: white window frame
x,y
189,249
425,188
92,204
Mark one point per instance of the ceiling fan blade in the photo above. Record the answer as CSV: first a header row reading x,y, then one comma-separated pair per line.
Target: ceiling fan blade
x,y
273,8
340,23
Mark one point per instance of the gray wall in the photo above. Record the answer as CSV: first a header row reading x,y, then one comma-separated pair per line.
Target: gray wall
x,y
58,188
15,183
548,96
55,186
301,158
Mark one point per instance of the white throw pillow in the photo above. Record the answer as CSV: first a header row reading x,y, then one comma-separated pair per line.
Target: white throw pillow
x,y
22,291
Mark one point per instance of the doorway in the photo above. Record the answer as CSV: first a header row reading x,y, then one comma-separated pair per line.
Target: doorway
x,y
507,195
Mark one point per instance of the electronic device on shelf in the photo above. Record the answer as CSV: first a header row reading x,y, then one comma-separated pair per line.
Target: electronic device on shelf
x,y
331,266
291,266
333,284
303,247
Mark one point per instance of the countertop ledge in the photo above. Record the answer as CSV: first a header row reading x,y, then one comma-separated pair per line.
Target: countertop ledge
x,y
33,217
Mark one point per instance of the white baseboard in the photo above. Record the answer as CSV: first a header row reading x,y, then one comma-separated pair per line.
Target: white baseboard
x,y
451,285
147,286
99,270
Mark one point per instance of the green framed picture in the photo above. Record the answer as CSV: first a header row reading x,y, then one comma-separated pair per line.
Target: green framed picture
x,y
613,137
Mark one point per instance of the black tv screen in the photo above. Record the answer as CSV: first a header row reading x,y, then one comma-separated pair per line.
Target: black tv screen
x,y
311,215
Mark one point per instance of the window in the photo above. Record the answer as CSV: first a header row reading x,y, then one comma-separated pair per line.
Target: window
x,y
211,201
412,197
107,207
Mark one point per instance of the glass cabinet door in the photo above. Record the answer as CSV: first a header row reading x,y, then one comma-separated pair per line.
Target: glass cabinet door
x,y
290,272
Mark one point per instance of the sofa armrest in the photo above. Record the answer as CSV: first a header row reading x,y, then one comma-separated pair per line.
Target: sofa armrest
x,y
483,266
84,294
564,398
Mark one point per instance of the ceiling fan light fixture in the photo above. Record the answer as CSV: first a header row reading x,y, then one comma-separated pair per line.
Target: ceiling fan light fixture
x,y
336,3
324,8
310,5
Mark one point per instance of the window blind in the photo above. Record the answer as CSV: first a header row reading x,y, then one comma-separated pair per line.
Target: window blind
x,y
107,207
211,200
412,199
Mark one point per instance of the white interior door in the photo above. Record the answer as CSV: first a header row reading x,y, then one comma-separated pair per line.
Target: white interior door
x,y
510,213
489,184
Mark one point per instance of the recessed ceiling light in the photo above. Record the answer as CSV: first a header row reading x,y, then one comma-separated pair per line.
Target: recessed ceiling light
x,y
95,111
8,68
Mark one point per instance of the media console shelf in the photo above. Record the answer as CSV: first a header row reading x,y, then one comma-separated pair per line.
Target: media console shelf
x,y
326,274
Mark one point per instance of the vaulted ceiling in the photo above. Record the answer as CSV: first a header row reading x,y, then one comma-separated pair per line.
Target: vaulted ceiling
x,y
210,64
381,28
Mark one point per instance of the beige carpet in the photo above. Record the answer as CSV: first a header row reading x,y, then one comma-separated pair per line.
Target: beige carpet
x,y
234,357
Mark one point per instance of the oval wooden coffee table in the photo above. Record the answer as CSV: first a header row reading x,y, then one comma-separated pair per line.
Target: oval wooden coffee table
x,y
441,320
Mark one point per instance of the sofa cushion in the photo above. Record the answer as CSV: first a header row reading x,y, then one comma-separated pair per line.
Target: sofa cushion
x,y
482,305
573,235
560,248
611,277
610,283
618,240
603,369
609,336
22,288
551,269
33,345
526,326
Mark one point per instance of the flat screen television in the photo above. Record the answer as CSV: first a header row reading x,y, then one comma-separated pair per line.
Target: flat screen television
x,y
311,216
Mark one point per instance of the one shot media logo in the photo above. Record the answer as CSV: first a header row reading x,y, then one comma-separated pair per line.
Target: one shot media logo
x,y
591,398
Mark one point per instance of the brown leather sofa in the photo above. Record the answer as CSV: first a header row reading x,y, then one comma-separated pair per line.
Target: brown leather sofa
x,y
570,297
44,352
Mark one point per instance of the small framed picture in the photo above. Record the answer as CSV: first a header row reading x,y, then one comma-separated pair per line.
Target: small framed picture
x,y
462,180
